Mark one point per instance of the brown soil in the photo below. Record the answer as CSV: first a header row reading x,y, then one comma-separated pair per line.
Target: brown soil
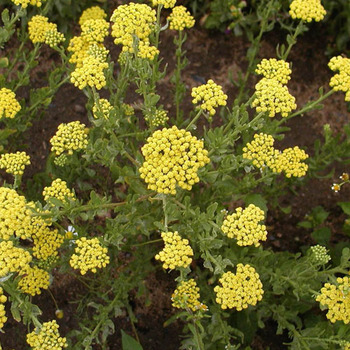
x,y
211,55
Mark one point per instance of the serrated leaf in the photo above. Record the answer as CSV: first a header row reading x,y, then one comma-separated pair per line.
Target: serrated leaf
x,y
129,343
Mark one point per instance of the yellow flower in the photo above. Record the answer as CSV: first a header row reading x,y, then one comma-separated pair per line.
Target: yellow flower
x,y
12,259
14,163
79,46
239,290
319,254
25,3
336,297
132,20
210,95
47,337
94,30
59,190
33,280
176,253
290,161
89,255
180,18
186,296
166,3
102,109
274,69
89,74
69,138
15,217
93,12
340,81
9,106
244,226
273,97
307,10
3,317
145,50
160,117
172,157
97,51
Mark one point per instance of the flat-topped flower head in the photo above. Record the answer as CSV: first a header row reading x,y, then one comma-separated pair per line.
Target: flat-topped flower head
x,y
14,163
165,3
319,255
15,216
12,259
94,12
260,150
47,337
3,300
131,20
341,80
58,190
69,137
89,74
274,69
273,97
180,18
177,251
244,226
89,255
209,95
9,106
336,297
147,51
95,30
172,157
307,10
33,280
79,46
102,109
25,3
52,36
238,291
97,51
186,296
290,160
159,117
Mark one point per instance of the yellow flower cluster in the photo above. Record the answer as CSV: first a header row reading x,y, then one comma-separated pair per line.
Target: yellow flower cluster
x,y
147,51
319,254
94,30
3,300
177,251
273,97
25,3
128,109
42,31
12,259
59,190
180,18
244,226
160,117
239,290
69,137
9,106
210,95
345,345
97,51
94,12
340,81
90,255
186,296
166,3
274,69
102,109
15,217
132,20
47,337
89,74
172,157
14,163
79,46
33,280
307,10
337,299
263,154
291,162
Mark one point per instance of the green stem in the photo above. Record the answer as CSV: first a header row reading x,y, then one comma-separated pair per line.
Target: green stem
x,y
298,30
164,199
178,83
198,339
194,119
131,316
146,243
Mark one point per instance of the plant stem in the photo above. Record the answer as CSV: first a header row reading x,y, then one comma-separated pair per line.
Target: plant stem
x,y
194,119
164,199
198,339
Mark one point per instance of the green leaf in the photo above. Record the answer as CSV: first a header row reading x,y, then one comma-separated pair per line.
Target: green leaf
x,y
345,206
256,199
322,235
129,343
